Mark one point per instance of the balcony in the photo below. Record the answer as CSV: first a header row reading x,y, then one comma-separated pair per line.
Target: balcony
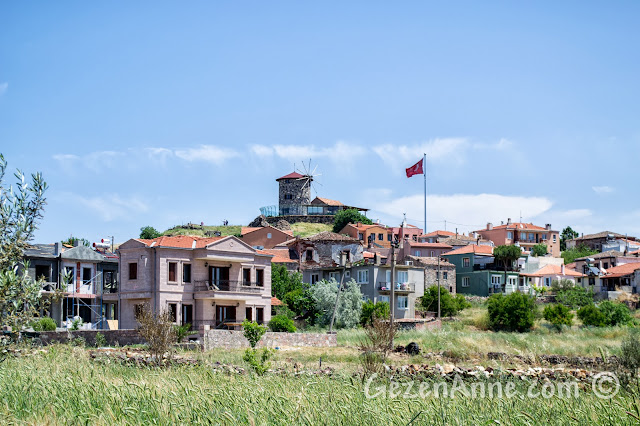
x,y
400,288
228,286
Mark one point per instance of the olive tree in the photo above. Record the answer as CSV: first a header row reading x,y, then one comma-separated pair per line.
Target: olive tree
x,y
20,209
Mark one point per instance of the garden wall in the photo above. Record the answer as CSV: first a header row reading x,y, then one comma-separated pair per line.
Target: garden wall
x,y
113,337
235,339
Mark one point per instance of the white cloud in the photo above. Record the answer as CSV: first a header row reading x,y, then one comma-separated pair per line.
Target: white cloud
x,y
467,212
208,153
400,157
262,150
3,87
108,207
65,157
602,189
341,153
159,154
502,145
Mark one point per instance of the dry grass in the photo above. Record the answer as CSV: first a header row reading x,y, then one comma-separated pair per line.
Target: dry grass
x,y
200,232
303,229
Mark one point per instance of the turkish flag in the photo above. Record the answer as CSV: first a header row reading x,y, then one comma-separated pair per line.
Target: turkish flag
x,y
416,169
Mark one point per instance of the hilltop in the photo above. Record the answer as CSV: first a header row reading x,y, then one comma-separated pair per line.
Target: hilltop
x,y
300,229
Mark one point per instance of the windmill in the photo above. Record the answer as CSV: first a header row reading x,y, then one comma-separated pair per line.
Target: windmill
x,y
308,176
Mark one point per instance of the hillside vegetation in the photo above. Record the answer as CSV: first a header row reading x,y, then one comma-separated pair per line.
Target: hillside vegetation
x,y
302,229
204,231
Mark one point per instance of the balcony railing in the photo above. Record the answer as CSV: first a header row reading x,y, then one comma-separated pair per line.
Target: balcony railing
x,y
228,285
384,287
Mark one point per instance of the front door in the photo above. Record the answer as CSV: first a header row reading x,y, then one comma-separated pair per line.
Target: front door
x,y
187,314
225,314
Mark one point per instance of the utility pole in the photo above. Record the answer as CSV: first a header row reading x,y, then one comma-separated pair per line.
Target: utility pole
x,y
392,301
438,281
343,263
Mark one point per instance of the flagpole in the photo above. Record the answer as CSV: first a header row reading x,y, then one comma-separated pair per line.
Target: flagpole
x,y
424,170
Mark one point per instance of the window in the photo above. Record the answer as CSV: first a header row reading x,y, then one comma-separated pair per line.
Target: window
x,y
268,235
606,265
496,280
466,262
437,275
433,253
86,276
380,237
246,276
547,282
513,281
69,270
309,255
133,271
137,310
259,315
466,281
403,302
554,237
186,272
173,312
445,275
389,237
544,236
523,235
592,281
383,299
363,276
173,267
510,235
403,276
288,196
360,236
579,280
365,298
334,275
314,278
314,210
260,277
531,237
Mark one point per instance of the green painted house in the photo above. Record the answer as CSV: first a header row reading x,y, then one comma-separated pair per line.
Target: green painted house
x,y
477,274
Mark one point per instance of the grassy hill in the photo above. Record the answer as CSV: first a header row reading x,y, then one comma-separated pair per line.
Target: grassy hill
x,y
302,229
203,231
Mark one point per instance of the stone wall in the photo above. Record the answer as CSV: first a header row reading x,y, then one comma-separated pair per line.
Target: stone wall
x,y
235,339
113,337
326,219
300,192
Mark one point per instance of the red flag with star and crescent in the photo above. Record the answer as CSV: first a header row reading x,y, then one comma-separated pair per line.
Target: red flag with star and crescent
x,y
416,169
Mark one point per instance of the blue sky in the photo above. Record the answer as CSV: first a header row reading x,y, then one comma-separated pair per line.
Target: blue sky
x,y
160,113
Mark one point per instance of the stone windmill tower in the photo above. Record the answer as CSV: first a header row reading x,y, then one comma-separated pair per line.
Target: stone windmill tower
x,y
294,193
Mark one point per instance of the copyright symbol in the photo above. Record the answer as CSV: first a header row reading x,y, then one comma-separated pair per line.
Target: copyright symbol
x,y
605,385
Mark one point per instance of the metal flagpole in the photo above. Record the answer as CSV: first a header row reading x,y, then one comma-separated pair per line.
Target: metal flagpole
x,y
424,172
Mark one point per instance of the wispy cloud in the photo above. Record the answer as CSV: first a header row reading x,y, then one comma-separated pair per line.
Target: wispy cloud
x,y
342,152
398,156
108,207
600,190
208,153
3,87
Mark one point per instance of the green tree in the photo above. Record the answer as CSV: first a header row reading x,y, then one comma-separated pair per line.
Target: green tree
x,y
576,252
20,209
558,315
349,305
149,233
372,311
71,241
567,234
283,281
615,313
343,217
574,297
591,316
515,312
282,323
449,305
507,255
539,250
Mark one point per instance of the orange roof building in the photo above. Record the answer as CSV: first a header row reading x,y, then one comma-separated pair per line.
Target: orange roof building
x,y
526,235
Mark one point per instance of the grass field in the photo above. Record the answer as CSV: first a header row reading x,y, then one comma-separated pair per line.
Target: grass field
x,y
302,229
65,387
200,232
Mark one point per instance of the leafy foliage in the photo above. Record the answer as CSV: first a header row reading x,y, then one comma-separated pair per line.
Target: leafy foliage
x,y
253,332
44,324
376,345
343,217
515,312
157,329
539,250
558,315
283,281
100,340
576,252
449,305
285,311
258,360
372,311
182,331
282,323
507,255
349,305
20,210
567,234
71,241
615,313
630,351
149,233
574,297
591,316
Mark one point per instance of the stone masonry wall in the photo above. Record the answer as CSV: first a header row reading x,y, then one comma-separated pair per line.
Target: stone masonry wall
x,y
235,339
113,337
326,219
299,191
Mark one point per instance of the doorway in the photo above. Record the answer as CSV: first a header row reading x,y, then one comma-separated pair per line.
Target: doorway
x,y
225,314
187,314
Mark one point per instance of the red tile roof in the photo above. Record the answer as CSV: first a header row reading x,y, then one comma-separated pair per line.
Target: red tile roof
x,y
517,225
622,270
430,245
293,175
276,302
471,248
279,255
330,202
180,241
554,270
438,233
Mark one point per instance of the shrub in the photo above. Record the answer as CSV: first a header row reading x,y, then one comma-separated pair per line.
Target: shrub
x,y
349,305
376,345
449,306
100,341
561,285
44,324
515,312
182,331
558,315
615,313
371,311
285,311
343,217
75,325
629,360
253,332
539,250
282,323
574,297
157,329
591,316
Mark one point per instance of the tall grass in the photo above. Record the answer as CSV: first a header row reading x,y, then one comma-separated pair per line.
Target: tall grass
x,y
65,387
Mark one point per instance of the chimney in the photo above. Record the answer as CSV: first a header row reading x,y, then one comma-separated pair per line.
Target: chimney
x,y
76,242
489,226
456,233
57,249
509,221
548,226
562,269
502,222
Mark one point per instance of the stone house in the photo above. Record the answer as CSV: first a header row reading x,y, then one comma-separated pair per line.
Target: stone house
x,y
434,271
598,240
212,282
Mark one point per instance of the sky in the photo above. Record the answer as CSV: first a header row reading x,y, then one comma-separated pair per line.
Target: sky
x,y
162,113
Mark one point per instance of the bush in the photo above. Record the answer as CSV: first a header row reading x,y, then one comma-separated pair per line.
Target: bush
x,y
343,217
44,324
558,315
253,332
591,316
182,331
574,297
376,345
449,306
615,313
100,341
349,305
515,312
157,329
282,323
371,311
285,311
